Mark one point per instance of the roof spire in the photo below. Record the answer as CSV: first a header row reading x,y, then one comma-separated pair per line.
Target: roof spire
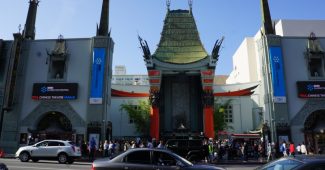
x,y
266,18
29,30
104,19
168,4
190,3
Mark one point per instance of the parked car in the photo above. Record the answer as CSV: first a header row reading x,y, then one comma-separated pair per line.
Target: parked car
x,y
3,166
191,149
149,158
299,162
63,151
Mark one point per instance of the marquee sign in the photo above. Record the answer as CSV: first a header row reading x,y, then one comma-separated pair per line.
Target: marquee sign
x,y
55,91
311,89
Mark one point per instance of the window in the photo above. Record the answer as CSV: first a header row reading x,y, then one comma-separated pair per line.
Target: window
x,y
228,114
53,143
138,157
316,66
315,57
42,144
136,107
164,159
58,61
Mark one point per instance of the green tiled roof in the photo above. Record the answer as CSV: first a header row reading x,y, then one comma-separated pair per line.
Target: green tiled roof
x,y
180,42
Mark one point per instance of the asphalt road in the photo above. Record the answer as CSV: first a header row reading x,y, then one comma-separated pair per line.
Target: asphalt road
x,y
15,164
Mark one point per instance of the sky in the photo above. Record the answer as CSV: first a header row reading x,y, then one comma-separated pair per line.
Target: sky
x,y
233,19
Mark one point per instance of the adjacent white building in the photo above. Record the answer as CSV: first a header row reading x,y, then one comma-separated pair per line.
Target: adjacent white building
x,y
290,63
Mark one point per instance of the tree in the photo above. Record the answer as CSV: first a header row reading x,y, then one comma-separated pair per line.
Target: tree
x,y
140,114
219,116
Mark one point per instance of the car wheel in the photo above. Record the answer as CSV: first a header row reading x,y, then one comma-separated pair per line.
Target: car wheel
x,y
35,160
24,157
62,158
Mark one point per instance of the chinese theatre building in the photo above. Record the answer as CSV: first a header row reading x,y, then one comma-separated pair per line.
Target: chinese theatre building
x,y
54,88
181,76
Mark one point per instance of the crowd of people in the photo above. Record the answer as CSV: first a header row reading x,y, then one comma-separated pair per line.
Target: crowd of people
x,y
214,150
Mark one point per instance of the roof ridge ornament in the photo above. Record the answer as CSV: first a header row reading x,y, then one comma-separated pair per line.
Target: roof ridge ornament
x,y
313,45
168,4
190,3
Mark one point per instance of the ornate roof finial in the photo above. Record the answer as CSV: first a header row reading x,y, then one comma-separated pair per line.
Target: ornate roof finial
x,y
190,3
168,4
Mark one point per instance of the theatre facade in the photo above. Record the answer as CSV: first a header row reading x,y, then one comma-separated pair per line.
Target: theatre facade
x,y
54,88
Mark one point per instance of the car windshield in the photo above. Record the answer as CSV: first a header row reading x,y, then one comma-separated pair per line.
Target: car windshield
x,y
282,164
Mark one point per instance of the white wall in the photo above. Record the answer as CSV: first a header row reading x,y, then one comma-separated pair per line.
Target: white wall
x,y
244,63
298,28
120,119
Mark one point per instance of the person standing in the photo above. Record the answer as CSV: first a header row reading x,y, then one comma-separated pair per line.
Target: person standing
x,y
303,149
269,151
161,145
92,149
292,149
283,149
106,148
298,148
149,144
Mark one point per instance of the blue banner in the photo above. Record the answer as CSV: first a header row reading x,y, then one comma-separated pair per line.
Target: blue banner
x,y
277,72
97,76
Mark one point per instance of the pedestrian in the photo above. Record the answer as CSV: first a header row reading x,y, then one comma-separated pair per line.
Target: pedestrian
x,y
106,148
161,145
269,151
211,150
298,148
149,144
283,149
303,149
292,149
92,149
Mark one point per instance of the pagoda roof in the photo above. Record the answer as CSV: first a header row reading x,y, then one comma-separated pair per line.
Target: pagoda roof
x,y
180,41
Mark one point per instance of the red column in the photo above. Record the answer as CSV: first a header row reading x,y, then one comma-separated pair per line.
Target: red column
x,y
154,122
208,122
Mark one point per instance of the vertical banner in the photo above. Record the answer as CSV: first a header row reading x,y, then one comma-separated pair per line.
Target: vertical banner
x,y
97,76
277,72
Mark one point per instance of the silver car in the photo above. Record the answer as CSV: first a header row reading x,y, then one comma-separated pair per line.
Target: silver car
x,y
149,159
63,151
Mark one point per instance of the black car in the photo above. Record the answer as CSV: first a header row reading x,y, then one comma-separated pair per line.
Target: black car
x,y
148,159
191,149
3,166
299,162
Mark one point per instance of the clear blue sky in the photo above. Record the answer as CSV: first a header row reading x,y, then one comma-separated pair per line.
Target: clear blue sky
x,y
234,19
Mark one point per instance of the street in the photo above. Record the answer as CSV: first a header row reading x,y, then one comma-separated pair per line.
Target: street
x,y
15,164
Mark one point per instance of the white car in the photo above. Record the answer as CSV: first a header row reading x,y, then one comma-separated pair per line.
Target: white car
x,y
63,151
